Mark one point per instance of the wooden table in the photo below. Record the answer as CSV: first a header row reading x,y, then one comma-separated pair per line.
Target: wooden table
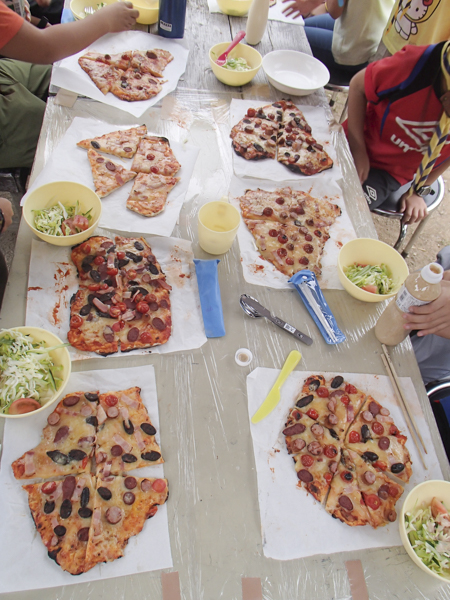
x,y
214,520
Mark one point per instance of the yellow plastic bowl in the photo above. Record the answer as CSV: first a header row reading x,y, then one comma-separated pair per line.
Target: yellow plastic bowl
x,y
60,357
77,6
236,8
66,192
148,11
235,78
367,251
420,496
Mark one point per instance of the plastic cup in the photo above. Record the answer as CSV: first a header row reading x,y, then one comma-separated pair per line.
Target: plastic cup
x,y
218,223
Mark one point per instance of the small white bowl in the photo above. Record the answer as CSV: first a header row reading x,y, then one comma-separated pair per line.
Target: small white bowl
x,y
294,72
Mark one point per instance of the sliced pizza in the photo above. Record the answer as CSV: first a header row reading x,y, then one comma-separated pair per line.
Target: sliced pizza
x,y
154,155
386,454
122,143
151,61
132,85
149,194
255,138
373,422
301,153
119,61
108,175
101,74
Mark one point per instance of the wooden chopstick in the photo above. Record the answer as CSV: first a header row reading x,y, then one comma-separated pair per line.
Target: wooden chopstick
x,y
402,398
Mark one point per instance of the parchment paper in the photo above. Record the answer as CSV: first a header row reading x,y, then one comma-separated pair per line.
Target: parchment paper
x,y
275,12
293,524
24,564
271,169
69,162
261,272
52,281
68,74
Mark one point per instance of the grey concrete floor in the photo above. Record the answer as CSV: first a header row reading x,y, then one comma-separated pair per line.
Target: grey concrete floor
x,y
9,191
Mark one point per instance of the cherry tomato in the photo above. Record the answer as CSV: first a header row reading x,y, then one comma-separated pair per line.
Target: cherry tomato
x,y
283,239
99,260
146,337
323,392
131,274
372,289
118,326
372,501
330,451
251,112
121,255
85,248
308,237
94,287
377,428
307,460
115,312
75,322
48,487
328,477
346,476
393,491
111,400
122,306
104,286
273,233
303,260
154,170
142,307
23,405
152,512
308,248
345,400
393,430
378,464
290,261
112,271
84,462
350,389
312,413
159,485
401,438
354,437
282,252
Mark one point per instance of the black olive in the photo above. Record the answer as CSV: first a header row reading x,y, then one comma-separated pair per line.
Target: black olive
x,y
258,147
129,427
58,457
105,297
134,257
85,310
105,493
86,266
310,149
397,467
333,434
141,290
76,455
95,145
84,498
151,456
60,530
53,553
85,512
72,299
148,429
91,396
348,476
138,246
131,283
66,509
288,143
365,433
296,157
92,421
287,154
95,276
123,263
314,384
129,458
274,138
298,223
304,401
124,85
153,269
247,121
111,249
49,507
370,456
337,381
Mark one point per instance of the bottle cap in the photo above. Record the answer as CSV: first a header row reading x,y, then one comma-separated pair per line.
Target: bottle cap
x,y
243,357
432,273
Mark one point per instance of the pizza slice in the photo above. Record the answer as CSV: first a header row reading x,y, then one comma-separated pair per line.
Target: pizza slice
x,y
149,194
122,143
93,258
108,175
137,262
154,155
62,511
255,138
152,61
379,493
119,61
122,505
301,153
316,213
386,454
101,74
293,117
345,501
126,436
67,440
132,85
373,422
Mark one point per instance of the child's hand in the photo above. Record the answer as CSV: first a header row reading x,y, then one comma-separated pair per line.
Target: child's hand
x,y
433,317
413,208
120,16
362,164
299,8
7,210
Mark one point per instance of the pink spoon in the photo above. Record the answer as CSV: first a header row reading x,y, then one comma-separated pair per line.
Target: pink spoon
x,y
223,57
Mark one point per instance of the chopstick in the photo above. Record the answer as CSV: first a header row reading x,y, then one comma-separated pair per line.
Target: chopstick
x,y
412,426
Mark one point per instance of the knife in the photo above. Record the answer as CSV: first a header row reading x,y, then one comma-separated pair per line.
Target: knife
x,y
273,396
266,313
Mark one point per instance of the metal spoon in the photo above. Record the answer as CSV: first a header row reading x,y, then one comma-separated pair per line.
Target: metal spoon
x,y
249,310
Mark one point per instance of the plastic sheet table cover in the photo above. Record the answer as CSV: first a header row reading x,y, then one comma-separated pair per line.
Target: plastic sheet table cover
x,y
213,514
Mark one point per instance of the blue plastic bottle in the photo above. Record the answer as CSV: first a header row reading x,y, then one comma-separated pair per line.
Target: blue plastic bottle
x,y
172,15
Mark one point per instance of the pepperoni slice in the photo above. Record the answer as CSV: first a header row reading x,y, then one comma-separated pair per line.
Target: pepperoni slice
x,y
273,233
308,237
372,501
111,400
146,485
282,252
303,260
268,212
159,485
308,248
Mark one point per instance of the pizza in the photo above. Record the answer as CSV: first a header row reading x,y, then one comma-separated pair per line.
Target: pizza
x,y
149,193
290,227
280,130
107,175
88,515
154,155
123,300
130,75
336,457
122,143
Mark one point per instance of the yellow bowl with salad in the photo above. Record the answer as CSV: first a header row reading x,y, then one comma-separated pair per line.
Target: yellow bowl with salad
x,y
62,213
423,520
242,64
236,8
35,367
77,6
370,270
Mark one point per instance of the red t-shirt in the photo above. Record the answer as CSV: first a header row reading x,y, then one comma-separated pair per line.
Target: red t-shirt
x,y
397,133
10,23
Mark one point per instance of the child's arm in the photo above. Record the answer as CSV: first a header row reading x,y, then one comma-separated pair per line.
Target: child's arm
x,y
357,103
45,46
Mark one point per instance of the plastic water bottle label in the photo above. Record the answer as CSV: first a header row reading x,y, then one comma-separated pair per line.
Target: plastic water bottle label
x,y
405,299
165,26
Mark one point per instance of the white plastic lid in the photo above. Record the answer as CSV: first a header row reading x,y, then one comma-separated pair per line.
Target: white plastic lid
x,y
243,357
432,273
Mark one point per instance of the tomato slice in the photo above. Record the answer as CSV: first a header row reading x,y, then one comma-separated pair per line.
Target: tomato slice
x,y
159,485
48,487
312,413
323,392
76,321
379,464
377,428
350,389
111,400
330,451
328,477
354,437
22,406
345,400
372,501
373,289
146,337
307,460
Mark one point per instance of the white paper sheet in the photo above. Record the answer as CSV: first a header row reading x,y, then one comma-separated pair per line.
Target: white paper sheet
x,y
24,564
293,524
271,169
275,12
52,281
69,162
261,272
68,74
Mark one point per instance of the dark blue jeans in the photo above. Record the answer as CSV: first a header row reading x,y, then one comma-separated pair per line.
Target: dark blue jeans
x,y
319,31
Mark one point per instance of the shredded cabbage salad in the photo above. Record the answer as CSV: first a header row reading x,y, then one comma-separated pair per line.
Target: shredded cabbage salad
x,y
237,64
430,539
378,276
49,220
26,369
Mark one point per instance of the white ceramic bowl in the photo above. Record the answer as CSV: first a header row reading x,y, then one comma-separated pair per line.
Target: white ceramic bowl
x,y
60,357
422,494
294,72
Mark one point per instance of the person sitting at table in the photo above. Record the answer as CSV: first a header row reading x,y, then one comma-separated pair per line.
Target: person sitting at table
x,y
395,107
343,34
24,85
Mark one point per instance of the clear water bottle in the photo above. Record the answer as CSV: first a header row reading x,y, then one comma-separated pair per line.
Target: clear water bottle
x,y
172,15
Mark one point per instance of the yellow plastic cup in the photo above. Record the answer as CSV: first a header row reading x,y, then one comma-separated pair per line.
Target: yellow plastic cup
x,y
218,223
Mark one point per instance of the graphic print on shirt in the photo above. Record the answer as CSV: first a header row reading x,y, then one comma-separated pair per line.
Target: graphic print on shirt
x,y
410,13
420,132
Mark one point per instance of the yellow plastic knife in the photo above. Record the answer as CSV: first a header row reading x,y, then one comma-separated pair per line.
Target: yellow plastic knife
x,y
273,396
